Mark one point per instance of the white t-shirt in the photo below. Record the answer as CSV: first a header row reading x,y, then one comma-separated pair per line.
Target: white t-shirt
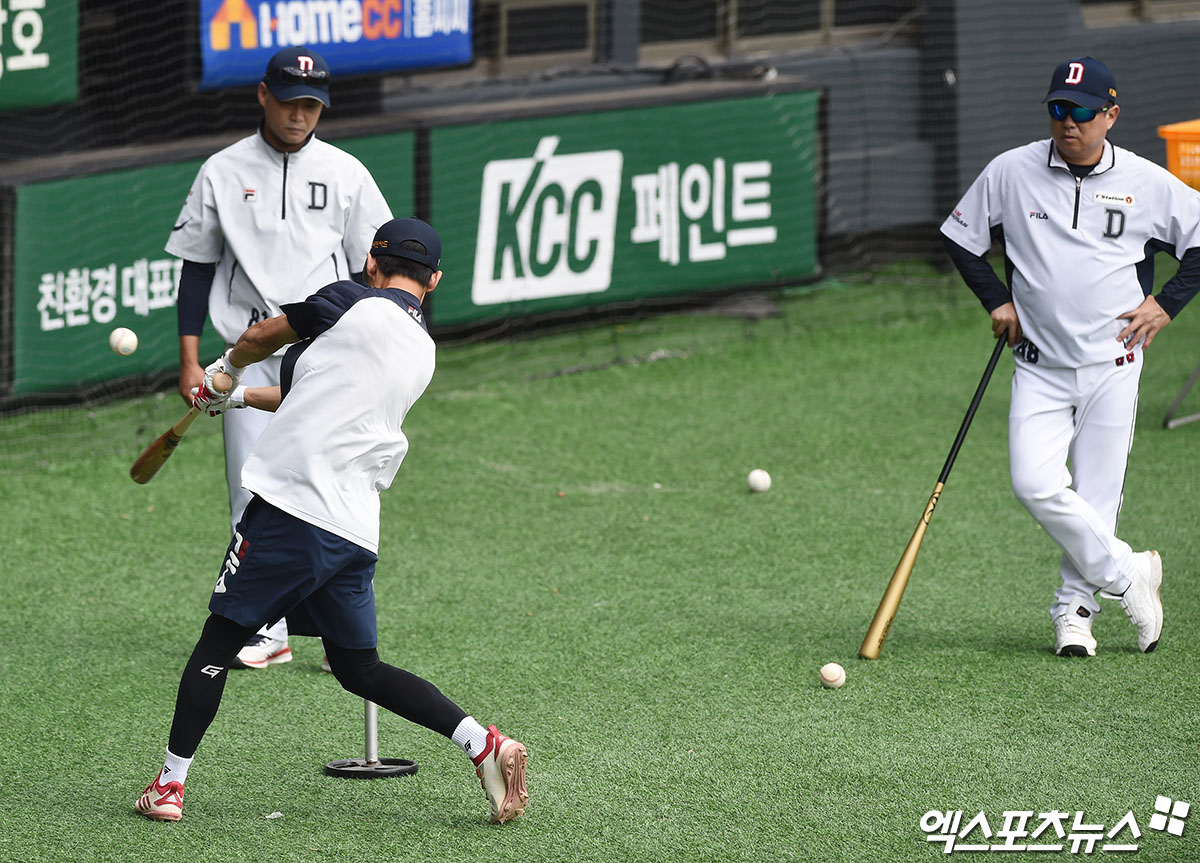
x,y
336,441
278,226
1074,245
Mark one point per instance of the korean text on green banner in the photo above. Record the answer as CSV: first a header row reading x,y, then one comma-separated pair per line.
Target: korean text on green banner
x,y
564,212
39,52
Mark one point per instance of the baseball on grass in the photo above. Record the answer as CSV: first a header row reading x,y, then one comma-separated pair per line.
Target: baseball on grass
x,y
832,675
758,480
123,341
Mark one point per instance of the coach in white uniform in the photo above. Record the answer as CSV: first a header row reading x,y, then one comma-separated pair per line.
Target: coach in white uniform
x,y
1080,221
268,221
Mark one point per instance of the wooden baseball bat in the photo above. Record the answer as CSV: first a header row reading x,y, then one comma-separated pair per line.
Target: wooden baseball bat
x,y
877,632
155,456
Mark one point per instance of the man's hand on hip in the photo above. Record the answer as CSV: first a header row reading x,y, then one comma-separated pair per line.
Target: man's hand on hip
x,y
1144,324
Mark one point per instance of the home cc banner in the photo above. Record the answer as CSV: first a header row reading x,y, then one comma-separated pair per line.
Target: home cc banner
x,y
356,37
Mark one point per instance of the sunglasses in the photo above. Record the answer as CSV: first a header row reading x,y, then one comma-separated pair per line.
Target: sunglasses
x,y
292,75
1078,113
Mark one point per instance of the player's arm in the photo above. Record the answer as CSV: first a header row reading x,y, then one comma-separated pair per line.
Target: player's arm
x,y
195,281
1154,313
263,398
262,340
986,285
254,345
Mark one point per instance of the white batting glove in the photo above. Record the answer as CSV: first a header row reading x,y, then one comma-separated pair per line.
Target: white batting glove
x,y
235,398
222,364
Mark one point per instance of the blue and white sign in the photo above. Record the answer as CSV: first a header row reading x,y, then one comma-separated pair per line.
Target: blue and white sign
x,y
356,37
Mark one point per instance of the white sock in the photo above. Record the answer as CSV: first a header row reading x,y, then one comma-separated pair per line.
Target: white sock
x,y
470,737
175,768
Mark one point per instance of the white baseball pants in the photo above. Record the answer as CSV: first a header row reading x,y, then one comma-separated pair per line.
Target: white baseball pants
x,y
1085,417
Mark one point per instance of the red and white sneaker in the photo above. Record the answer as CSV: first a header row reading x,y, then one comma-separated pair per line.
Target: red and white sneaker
x,y
161,801
501,771
261,651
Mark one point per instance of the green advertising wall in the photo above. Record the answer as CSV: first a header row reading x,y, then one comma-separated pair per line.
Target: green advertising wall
x,y
89,257
39,48
556,213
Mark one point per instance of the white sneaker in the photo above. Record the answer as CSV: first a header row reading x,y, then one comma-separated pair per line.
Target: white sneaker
x,y
1141,600
261,651
501,771
1073,635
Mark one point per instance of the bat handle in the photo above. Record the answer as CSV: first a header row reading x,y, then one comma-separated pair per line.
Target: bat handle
x,y
222,382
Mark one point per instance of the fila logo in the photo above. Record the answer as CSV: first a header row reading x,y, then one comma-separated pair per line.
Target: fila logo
x,y
1034,214
1074,73
416,314
237,550
212,670
306,63
249,195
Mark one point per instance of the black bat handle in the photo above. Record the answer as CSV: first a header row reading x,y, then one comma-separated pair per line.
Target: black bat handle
x,y
978,397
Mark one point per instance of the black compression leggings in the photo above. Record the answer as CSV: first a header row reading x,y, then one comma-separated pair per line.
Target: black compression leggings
x,y
358,671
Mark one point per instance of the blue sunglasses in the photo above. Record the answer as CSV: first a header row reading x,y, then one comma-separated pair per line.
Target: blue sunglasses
x,y
1078,113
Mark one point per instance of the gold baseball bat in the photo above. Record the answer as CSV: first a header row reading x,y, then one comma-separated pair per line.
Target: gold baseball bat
x,y
155,456
881,623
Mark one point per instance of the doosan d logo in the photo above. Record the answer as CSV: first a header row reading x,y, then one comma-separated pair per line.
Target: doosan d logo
x,y
547,225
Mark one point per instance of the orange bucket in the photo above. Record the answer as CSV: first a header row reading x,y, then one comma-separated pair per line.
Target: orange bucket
x,y
1183,150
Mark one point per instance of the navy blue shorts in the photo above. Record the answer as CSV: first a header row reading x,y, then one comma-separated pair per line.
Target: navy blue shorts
x,y
281,566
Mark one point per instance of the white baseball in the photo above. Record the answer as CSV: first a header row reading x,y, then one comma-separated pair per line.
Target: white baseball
x,y
123,341
832,675
758,480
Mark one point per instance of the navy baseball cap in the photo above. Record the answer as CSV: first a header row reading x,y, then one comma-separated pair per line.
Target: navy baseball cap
x,y
391,234
1085,81
298,73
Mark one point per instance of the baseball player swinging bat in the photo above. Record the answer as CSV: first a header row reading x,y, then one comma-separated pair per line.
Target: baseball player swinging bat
x,y
877,632
155,456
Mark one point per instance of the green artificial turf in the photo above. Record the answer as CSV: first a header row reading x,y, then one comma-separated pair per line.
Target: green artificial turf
x,y
570,552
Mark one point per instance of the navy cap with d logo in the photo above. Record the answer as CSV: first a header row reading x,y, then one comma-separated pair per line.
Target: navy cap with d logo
x,y
1085,81
298,73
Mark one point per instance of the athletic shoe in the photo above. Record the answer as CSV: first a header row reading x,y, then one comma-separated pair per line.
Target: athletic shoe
x,y
501,771
1141,600
261,651
161,802
1073,634
325,664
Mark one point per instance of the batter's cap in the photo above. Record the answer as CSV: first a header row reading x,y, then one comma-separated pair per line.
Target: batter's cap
x,y
1085,81
298,73
391,235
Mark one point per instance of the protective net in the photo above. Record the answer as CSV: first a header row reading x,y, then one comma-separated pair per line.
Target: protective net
x,y
754,145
